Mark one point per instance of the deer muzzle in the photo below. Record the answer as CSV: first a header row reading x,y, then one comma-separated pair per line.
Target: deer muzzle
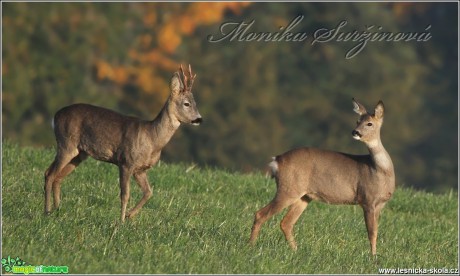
x,y
197,121
356,135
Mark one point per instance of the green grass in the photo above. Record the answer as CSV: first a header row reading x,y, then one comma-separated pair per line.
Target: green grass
x,y
199,222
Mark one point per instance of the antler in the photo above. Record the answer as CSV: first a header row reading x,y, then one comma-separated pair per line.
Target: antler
x,y
192,77
187,84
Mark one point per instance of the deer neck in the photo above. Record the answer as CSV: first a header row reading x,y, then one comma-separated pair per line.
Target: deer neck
x,y
380,156
164,126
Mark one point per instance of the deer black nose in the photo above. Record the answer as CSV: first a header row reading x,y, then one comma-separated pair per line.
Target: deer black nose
x,y
197,121
356,133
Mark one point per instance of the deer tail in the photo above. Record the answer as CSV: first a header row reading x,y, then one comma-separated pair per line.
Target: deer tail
x,y
273,165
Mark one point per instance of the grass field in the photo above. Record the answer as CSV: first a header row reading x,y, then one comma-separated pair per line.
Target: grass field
x,y
199,221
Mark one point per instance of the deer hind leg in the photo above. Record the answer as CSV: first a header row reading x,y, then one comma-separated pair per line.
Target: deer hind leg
x,y
142,181
291,217
63,173
264,214
63,157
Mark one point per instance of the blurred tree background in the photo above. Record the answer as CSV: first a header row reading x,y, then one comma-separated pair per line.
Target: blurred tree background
x,y
258,99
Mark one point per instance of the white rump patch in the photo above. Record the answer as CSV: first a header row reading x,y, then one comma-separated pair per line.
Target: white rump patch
x,y
273,165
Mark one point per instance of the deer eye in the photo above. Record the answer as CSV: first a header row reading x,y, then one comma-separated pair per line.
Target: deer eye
x,y
187,104
369,124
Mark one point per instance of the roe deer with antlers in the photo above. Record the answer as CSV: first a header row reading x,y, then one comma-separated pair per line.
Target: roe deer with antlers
x,y
307,174
134,145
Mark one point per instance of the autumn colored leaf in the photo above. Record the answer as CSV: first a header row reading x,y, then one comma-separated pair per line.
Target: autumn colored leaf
x,y
168,38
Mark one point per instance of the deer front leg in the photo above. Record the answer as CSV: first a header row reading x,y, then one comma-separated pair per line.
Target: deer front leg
x,y
142,181
371,217
125,175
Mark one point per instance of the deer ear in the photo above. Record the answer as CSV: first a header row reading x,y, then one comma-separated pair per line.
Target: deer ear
x,y
379,110
176,84
358,108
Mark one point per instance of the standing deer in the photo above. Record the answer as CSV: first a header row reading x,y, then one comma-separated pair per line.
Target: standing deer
x,y
307,174
134,145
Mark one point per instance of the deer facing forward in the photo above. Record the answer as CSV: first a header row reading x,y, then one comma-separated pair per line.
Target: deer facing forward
x,y
134,145
307,174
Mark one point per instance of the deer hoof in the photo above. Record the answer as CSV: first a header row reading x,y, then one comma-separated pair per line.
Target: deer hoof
x,y
131,214
293,246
